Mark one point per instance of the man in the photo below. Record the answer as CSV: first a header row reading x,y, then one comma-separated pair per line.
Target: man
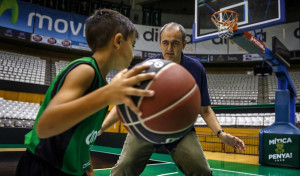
x,y
187,152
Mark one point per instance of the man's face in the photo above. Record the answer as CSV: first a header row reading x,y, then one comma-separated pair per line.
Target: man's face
x,y
171,44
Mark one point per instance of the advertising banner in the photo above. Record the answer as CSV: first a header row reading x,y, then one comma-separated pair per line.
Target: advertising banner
x,y
281,150
77,28
15,15
52,23
14,34
51,41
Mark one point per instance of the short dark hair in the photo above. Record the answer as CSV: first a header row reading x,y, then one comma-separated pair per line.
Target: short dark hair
x,y
104,24
173,25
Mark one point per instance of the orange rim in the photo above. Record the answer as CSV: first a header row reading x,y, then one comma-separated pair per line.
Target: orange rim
x,y
226,22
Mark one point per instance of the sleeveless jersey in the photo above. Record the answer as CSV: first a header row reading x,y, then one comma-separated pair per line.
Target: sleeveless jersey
x,y
70,150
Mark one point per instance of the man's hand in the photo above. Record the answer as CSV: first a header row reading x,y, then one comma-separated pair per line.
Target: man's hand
x,y
233,141
100,132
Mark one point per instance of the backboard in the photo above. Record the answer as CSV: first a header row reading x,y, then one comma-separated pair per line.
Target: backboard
x,y
253,14
280,51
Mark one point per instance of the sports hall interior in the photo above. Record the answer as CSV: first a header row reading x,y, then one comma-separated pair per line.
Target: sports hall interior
x,y
242,93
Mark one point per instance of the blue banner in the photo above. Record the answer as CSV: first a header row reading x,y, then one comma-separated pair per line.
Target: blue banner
x,y
35,19
77,26
15,15
49,22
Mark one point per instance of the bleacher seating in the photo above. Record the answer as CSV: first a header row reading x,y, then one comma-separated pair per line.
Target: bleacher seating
x,y
110,75
232,89
22,68
61,64
23,114
17,114
224,89
245,119
272,85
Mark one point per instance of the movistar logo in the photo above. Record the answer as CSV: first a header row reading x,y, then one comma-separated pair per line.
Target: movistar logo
x,y
10,5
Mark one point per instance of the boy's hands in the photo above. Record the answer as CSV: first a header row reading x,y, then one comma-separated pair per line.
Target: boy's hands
x,y
121,86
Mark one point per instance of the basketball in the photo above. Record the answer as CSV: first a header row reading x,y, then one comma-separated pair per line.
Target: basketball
x,y
171,112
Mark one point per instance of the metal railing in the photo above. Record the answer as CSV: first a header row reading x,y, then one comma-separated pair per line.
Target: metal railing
x,y
214,144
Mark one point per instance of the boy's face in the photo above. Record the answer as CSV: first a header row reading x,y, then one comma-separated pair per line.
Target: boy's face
x,y
127,51
171,44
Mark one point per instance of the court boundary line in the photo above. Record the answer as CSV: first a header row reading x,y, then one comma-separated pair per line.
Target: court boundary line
x,y
245,173
160,163
104,152
168,174
101,169
164,162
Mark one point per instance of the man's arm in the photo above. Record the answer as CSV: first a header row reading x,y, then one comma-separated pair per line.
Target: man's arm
x,y
111,119
211,120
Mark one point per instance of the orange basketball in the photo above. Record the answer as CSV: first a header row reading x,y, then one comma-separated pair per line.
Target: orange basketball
x,y
171,112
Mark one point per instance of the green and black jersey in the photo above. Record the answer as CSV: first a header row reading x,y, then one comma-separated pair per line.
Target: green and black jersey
x,y
70,150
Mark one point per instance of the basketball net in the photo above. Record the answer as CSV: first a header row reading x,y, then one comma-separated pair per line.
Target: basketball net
x,y
226,22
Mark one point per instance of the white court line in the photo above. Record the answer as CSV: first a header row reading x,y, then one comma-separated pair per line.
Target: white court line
x,y
168,173
172,173
237,172
104,152
159,163
165,162
245,173
102,169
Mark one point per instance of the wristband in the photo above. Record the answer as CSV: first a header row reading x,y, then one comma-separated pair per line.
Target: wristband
x,y
219,132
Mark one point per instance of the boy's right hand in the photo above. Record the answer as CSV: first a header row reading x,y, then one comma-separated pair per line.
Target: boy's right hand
x,y
121,86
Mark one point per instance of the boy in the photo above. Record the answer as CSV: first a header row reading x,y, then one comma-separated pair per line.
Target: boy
x,y
76,102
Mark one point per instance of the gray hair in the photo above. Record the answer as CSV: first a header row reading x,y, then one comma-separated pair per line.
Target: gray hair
x,y
173,25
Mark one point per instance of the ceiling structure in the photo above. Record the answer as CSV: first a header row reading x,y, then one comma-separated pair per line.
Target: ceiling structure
x,y
187,7
168,6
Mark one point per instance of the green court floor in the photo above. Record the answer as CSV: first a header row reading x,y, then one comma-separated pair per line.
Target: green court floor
x,y
220,168
162,164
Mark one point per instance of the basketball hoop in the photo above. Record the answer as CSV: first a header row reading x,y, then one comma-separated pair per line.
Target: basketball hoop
x,y
226,22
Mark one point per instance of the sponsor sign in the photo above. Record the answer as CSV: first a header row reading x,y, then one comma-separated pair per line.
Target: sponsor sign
x,y
281,149
51,41
199,57
255,41
14,34
226,58
80,46
146,54
252,57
